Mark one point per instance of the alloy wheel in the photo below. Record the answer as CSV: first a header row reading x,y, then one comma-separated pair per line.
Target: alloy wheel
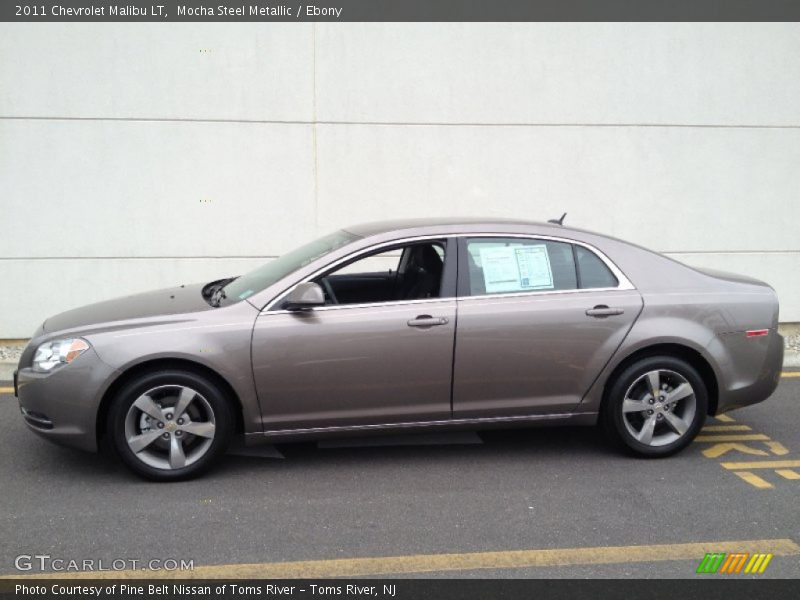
x,y
170,427
659,407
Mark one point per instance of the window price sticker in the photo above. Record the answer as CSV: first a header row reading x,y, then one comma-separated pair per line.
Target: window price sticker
x,y
516,268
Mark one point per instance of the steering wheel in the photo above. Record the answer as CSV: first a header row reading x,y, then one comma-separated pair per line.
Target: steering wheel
x,y
326,285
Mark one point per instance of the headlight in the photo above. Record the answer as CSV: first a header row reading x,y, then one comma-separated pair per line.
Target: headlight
x,y
60,352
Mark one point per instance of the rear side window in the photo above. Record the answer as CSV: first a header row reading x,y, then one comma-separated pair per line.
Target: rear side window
x,y
593,272
508,265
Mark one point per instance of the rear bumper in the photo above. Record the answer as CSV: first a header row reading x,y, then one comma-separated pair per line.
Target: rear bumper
x,y
62,406
751,370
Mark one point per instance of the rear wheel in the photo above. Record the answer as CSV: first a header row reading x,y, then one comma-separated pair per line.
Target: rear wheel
x,y
170,425
656,406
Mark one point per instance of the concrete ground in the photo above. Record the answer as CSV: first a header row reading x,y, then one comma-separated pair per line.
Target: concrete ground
x,y
535,503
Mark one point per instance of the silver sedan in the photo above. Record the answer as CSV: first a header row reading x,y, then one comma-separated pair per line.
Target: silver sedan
x,y
457,323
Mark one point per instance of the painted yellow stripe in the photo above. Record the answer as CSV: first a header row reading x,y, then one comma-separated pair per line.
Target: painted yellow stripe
x,y
763,464
755,480
715,428
6,390
745,437
717,450
788,474
725,418
777,448
428,563
790,374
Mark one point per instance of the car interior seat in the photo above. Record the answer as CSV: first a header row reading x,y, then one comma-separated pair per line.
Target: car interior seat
x,y
423,274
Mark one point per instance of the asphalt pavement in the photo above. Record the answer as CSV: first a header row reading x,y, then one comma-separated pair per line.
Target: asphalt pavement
x,y
520,503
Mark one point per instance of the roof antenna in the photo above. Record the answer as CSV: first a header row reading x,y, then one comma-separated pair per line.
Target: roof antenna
x,y
558,221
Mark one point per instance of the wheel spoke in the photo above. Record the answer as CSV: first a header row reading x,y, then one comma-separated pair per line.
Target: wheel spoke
x,y
200,429
678,425
137,443
184,401
177,458
654,378
145,404
684,390
646,434
630,405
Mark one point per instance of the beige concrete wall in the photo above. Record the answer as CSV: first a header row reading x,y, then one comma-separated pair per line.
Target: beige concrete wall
x,y
137,156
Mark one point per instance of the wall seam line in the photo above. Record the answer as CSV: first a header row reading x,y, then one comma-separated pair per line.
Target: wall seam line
x,y
314,122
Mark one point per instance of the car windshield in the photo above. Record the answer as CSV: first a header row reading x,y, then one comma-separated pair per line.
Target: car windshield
x,y
264,276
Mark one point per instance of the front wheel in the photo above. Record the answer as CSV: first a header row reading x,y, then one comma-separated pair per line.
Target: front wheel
x,y
170,425
656,406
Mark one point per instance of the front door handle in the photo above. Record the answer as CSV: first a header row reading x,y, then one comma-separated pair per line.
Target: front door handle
x,y
601,310
427,321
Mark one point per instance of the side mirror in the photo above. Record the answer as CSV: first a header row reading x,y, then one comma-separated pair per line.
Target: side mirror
x,y
304,297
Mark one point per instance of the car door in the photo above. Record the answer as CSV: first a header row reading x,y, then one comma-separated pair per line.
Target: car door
x,y
532,333
357,364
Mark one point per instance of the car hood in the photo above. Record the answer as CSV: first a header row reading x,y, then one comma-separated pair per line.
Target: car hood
x,y
169,301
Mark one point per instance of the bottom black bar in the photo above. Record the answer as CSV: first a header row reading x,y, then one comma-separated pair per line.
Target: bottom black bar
x,y
732,588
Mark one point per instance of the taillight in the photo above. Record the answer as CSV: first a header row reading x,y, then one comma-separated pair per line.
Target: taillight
x,y
757,332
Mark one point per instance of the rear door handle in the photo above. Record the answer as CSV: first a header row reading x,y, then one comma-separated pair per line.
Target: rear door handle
x,y
601,310
428,321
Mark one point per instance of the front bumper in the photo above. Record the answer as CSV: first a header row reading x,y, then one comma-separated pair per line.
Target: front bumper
x,y
62,405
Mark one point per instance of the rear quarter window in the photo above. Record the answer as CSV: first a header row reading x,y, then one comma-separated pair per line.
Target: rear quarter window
x,y
592,271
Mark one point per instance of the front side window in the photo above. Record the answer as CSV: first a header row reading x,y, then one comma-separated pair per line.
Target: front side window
x,y
405,272
261,278
509,265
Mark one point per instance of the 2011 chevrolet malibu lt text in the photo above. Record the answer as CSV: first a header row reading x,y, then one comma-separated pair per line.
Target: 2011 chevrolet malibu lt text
x,y
417,324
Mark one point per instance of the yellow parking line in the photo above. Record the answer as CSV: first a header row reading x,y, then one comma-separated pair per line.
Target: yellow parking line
x,y
790,374
428,563
762,464
6,390
710,428
754,480
788,474
777,448
724,418
746,437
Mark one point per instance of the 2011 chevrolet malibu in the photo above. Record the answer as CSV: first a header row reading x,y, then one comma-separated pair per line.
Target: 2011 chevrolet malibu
x,y
407,325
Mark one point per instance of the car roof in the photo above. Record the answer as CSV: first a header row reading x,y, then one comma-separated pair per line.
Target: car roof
x,y
379,227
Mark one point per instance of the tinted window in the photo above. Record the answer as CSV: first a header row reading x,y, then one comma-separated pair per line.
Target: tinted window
x,y
411,272
384,262
508,265
272,272
593,272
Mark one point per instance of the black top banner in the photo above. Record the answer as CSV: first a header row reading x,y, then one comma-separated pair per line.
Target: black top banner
x,y
399,10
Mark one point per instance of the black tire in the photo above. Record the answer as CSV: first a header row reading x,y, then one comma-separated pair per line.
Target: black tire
x,y
210,396
613,421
